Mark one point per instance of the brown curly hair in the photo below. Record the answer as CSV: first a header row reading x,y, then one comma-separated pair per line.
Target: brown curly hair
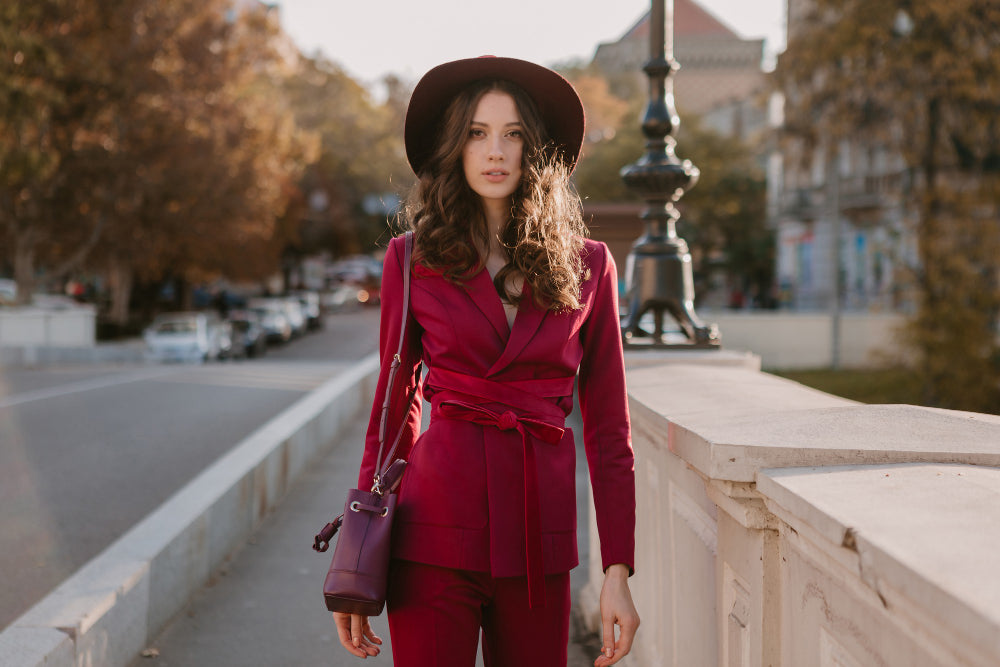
x,y
544,234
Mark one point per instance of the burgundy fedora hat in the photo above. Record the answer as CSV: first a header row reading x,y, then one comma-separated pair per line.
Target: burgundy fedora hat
x,y
557,101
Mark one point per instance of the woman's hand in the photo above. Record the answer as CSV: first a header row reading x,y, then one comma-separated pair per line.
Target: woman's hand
x,y
357,635
616,609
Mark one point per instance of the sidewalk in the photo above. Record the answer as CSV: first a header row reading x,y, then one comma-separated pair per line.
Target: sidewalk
x,y
264,606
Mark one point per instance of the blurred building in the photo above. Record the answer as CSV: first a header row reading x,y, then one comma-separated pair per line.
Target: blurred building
x,y
838,206
721,78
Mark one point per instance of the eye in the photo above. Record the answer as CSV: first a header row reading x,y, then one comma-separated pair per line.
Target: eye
x,y
476,132
516,134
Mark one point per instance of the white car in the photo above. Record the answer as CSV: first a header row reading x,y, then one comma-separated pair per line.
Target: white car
x,y
191,336
311,308
8,291
273,318
295,314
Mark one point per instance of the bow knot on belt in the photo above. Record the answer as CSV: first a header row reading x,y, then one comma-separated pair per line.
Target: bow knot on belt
x,y
538,429
507,421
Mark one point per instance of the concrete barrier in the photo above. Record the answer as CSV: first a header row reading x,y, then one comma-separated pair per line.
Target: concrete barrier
x,y
789,340
107,611
48,327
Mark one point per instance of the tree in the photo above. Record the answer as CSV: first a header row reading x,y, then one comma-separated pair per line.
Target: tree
x,y
152,125
52,87
920,79
724,218
360,154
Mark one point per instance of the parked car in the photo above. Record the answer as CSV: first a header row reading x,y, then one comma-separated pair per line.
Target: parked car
x,y
273,319
248,332
229,346
339,297
311,308
187,336
363,274
295,314
8,291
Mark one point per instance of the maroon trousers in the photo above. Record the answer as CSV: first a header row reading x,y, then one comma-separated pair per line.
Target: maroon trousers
x,y
437,614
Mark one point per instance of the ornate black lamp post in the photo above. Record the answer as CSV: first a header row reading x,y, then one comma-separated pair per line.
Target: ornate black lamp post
x,y
659,266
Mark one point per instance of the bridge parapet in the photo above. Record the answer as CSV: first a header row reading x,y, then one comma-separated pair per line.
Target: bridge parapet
x,y
778,525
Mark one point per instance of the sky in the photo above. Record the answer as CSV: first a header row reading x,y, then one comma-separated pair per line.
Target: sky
x,y
370,38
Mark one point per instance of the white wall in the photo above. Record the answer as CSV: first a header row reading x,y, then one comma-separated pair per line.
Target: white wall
x,y
41,327
787,340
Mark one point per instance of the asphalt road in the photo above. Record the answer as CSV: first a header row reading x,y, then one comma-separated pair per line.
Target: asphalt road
x,y
87,451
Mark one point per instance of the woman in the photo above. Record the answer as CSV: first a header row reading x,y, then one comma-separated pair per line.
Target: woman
x,y
508,302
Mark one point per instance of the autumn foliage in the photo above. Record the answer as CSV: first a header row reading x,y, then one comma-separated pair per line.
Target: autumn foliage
x,y
153,140
920,80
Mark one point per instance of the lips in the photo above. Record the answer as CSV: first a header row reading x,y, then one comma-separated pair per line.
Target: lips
x,y
495,175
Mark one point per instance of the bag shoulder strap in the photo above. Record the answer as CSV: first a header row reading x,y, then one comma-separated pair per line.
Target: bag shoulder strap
x,y
381,465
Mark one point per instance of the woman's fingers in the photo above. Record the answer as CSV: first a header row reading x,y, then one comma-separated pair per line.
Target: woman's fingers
x,y
627,625
350,632
359,631
343,624
357,625
614,650
617,609
369,634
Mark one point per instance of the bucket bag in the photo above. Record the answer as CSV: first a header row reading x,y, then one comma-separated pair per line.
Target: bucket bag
x,y
356,580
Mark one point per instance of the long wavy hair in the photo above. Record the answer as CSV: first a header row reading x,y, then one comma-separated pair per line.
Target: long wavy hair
x,y
544,234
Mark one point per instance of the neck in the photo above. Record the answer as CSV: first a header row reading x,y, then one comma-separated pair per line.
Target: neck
x,y
496,213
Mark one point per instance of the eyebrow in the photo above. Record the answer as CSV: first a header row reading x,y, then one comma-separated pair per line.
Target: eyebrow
x,y
480,122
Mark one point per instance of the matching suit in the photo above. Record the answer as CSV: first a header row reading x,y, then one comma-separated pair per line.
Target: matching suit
x,y
490,485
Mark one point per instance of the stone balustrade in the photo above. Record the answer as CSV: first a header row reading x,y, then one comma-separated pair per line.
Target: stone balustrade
x,y
780,526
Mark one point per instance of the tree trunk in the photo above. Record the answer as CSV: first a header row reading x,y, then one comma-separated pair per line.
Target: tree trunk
x,y
120,282
24,268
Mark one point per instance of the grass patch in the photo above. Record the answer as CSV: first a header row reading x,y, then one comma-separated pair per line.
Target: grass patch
x,y
888,385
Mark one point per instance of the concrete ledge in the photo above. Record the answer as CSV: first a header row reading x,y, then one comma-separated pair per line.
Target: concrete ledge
x,y
730,422
106,612
922,537
780,525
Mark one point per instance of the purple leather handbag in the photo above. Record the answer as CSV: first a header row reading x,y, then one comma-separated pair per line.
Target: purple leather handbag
x,y
356,581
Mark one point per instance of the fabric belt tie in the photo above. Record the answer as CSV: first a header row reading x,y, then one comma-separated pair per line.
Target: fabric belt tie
x,y
537,428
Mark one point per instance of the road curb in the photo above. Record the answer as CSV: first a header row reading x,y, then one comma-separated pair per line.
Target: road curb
x,y
107,611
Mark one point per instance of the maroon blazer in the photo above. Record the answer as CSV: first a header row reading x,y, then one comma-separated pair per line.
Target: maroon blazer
x,y
490,485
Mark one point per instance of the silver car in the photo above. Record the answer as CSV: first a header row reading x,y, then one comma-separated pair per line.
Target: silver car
x,y
189,336
273,318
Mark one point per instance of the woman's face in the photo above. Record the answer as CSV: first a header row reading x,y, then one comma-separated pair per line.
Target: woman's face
x,y
491,158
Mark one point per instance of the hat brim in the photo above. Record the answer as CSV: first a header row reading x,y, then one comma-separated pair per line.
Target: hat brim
x,y
557,101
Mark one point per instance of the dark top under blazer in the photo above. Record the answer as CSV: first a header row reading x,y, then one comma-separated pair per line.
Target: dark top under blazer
x,y
462,500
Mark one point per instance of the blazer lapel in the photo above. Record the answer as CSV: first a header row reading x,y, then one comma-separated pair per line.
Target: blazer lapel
x,y
480,289
529,318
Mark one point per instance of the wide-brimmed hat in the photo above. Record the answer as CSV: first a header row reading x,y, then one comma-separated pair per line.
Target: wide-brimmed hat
x,y
558,103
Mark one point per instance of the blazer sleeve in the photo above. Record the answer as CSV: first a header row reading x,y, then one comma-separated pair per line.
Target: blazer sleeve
x,y
390,319
604,408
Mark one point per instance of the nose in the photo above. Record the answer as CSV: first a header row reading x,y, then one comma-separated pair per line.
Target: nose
x,y
495,149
